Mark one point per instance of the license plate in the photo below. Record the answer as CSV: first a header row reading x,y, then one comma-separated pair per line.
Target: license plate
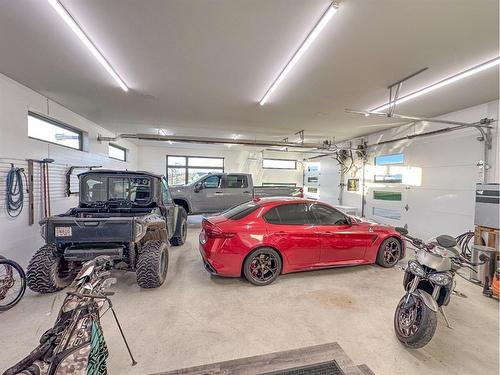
x,y
63,231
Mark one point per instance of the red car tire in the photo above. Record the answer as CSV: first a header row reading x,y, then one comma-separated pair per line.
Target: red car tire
x,y
262,266
389,252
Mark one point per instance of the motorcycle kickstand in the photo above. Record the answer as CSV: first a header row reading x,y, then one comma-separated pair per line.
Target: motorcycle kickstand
x,y
441,309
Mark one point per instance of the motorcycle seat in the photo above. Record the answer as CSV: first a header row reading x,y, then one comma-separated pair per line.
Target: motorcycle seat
x,y
446,241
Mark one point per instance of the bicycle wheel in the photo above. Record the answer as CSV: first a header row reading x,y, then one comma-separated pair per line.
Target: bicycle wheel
x,y
12,283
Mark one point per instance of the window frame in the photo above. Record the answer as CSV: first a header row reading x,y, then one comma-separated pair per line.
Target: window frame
x,y
288,169
205,178
316,219
59,124
311,219
119,148
187,167
225,184
403,159
84,189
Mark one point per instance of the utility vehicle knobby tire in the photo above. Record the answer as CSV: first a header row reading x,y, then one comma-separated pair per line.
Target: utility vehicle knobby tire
x,y
43,274
425,332
181,230
389,252
152,264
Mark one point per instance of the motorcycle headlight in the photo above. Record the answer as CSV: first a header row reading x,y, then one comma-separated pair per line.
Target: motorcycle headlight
x,y
140,231
441,278
416,269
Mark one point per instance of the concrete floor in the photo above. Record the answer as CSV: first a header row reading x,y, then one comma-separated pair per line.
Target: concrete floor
x,y
195,319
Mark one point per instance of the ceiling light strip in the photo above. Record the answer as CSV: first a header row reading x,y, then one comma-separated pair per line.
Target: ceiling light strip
x,y
64,14
467,73
327,16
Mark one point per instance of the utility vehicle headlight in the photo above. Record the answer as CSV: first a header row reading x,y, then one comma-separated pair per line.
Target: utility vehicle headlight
x,y
441,278
416,268
140,230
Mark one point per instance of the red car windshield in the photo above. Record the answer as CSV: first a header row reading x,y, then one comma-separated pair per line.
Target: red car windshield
x,y
241,211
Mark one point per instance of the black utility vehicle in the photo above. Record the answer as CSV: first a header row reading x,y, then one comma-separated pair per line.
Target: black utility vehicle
x,y
128,216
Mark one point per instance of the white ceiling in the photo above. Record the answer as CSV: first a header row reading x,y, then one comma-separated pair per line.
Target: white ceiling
x,y
200,67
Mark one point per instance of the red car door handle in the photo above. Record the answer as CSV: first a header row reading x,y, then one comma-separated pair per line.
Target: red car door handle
x,y
327,233
280,233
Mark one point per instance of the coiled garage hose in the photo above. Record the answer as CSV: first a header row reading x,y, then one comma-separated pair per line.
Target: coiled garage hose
x,y
15,191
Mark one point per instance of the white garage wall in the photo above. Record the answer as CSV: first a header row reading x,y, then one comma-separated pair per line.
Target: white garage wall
x,y
18,240
153,158
442,200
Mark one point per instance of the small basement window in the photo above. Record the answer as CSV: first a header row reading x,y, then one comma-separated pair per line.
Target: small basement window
x,y
117,152
52,131
387,195
279,164
390,159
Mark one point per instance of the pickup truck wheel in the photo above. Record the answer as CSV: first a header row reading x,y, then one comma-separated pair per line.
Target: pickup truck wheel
x,y
152,264
47,271
181,231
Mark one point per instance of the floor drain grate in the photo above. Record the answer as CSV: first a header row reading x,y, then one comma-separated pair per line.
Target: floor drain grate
x,y
324,368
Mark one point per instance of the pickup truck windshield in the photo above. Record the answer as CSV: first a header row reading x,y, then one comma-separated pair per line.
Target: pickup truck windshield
x,y
97,188
239,212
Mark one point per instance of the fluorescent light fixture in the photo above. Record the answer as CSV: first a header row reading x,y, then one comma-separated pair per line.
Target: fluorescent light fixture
x,y
327,16
442,83
86,41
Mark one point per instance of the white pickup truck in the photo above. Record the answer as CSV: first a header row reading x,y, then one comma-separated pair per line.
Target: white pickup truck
x,y
216,192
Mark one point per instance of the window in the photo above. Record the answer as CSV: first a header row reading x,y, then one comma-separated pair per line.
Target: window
x,y
236,181
165,192
117,152
325,215
288,214
389,178
241,211
183,170
387,195
279,164
212,182
390,159
313,167
102,188
52,131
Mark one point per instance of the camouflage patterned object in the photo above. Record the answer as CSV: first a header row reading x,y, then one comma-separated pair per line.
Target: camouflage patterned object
x,y
75,345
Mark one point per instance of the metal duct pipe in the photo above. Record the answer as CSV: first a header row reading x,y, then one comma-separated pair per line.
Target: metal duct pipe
x,y
208,140
413,118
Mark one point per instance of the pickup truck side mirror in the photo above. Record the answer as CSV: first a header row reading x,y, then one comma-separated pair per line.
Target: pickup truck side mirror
x,y
197,187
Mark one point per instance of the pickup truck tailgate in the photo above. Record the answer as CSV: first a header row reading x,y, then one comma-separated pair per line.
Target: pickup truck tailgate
x,y
87,230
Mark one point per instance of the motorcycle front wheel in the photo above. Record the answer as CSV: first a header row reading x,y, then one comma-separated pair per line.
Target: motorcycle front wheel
x,y
414,323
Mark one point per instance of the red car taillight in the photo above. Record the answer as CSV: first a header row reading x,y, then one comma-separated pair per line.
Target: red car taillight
x,y
213,231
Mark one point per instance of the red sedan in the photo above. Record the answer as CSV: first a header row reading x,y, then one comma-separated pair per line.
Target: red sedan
x,y
263,238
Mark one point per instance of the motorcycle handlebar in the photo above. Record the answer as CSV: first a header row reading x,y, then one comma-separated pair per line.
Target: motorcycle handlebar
x,y
415,241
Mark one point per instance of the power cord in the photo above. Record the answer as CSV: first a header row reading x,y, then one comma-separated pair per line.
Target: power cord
x,y
15,191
